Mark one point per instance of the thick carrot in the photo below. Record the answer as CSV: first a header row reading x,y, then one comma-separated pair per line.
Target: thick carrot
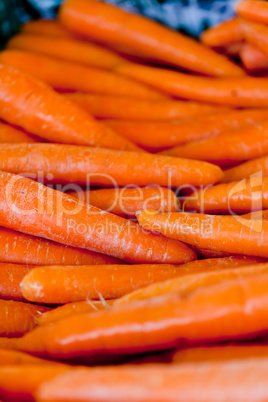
x,y
11,134
239,91
253,167
161,323
17,318
156,136
76,77
82,165
33,208
69,309
67,49
233,234
21,248
223,34
16,358
45,27
238,197
29,103
125,108
127,201
45,284
11,276
253,10
110,24
255,61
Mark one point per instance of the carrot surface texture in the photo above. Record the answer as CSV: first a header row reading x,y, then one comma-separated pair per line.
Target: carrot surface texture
x,y
254,60
76,76
239,92
253,10
33,208
111,25
159,323
232,234
97,166
253,167
11,276
29,103
223,34
45,27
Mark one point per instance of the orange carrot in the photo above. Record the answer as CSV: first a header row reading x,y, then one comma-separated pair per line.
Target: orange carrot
x,y
205,253
49,115
126,202
76,77
232,50
18,318
45,284
45,27
16,358
256,35
253,10
110,24
11,276
68,163
239,91
33,208
67,49
226,33
253,59
69,309
8,343
11,134
233,234
254,167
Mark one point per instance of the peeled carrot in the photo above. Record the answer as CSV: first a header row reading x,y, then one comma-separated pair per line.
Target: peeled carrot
x,y
45,27
156,136
69,309
126,202
11,276
223,34
16,358
253,59
125,108
161,323
33,208
11,134
82,165
32,105
253,167
239,91
233,234
67,49
18,318
253,10
109,24
76,77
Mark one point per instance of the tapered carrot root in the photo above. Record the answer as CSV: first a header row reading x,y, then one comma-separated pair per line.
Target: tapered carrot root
x,y
70,309
18,318
67,49
156,136
253,59
161,323
11,276
61,218
239,92
45,27
226,33
253,10
233,234
11,134
127,201
16,358
125,108
82,165
76,76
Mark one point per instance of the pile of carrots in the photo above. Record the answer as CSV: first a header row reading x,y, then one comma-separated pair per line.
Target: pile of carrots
x,y
134,209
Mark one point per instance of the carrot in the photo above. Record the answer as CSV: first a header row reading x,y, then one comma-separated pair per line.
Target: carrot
x,y
126,202
158,324
255,61
21,248
11,276
256,35
110,24
233,234
11,134
67,49
205,253
235,197
125,108
69,309
76,77
253,167
156,136
45,27
45,284
253,10
18,318
33,208
239,91
223,34
8,343
232,50
35,107
16,358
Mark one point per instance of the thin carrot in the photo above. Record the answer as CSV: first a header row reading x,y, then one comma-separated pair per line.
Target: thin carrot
x,y
253,167
16,358
156,136
11,276
255,61
127,201
110,24
223,34
256,35
17,318
45,27
76,76
45,284
233,234
67,49
239,91
161,323
11,134
253,10
232,50
69,309
206,253
29,103
59,217
125,108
